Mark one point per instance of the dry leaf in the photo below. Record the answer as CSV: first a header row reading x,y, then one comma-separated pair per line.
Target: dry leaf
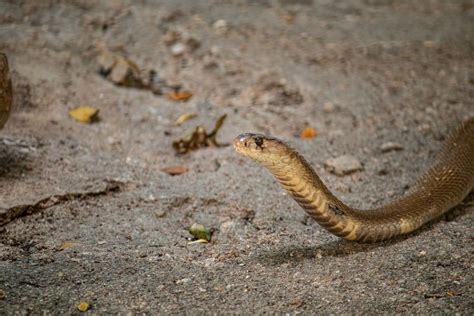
x,y
175,170
290,19
180,96
184,118
297,303
308,133
66,245
199,138
83,306
199,241
119,69
199,232
84,114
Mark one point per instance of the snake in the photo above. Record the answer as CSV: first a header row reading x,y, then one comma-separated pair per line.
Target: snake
x,y
5,90
446,183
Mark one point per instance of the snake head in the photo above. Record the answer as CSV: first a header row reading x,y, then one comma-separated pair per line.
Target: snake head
x,y
259,147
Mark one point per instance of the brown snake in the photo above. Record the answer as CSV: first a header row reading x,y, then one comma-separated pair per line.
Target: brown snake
x,y
5,90
444,185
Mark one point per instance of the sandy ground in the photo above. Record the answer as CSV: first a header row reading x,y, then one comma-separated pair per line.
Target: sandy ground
x,y
91,218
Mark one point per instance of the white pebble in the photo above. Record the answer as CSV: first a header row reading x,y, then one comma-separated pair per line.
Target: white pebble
x,y
220,26
178,49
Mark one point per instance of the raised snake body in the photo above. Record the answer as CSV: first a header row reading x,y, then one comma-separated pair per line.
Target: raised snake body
x,y
444,185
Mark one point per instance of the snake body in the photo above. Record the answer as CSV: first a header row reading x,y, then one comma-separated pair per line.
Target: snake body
x,y
444,185
5,90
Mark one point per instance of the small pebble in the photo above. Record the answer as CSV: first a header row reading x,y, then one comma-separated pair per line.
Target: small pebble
x,y
424,128
390,146
183,281
178,49
343,165
171,37
221,26
328,107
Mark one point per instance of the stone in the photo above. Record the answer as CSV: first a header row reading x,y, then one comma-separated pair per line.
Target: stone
x,y
221,26
390,146
178,49
343,165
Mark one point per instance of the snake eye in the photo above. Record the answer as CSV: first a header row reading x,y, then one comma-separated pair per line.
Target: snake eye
x,y
259,141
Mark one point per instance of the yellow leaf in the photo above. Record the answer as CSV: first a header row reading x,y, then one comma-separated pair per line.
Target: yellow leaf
x,y
184,118
199,241
83,306
84,114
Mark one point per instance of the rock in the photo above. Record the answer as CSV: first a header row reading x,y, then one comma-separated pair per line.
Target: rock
x,y
171,37
221,26
183,281
343,165
424,128
329,107
390,146
178,49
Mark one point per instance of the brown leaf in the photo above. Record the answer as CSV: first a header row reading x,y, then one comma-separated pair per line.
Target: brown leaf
x,y
66,245
120,70
199,138
175,170
308,133
180,96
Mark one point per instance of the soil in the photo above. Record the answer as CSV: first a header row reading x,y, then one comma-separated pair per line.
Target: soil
x,y
88,215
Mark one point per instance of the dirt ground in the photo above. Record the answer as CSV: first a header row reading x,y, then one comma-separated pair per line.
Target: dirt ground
x,y
86,214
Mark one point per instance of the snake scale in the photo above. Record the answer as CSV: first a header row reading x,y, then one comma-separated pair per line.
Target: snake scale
x,y
443,185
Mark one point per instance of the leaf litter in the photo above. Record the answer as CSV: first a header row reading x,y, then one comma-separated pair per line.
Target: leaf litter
x,y
199,138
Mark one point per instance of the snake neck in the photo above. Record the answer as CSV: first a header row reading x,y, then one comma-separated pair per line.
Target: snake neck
x,y
299,179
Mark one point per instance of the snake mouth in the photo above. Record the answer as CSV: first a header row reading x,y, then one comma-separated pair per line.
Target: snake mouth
x,y
241,141
244,143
